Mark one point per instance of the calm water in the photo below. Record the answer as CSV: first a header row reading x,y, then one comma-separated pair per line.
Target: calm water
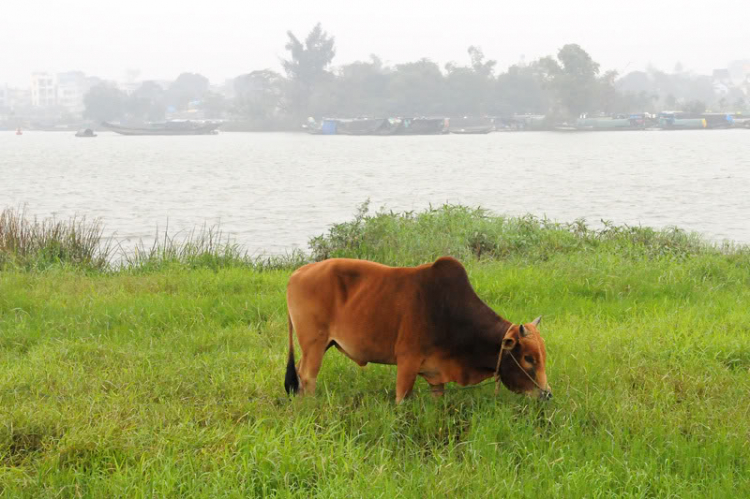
x,y
272,192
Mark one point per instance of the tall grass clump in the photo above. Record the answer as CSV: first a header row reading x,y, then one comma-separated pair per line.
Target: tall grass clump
x,y
28,243
207,247
468,233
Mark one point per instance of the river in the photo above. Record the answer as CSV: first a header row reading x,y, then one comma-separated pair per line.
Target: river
x,y
272,191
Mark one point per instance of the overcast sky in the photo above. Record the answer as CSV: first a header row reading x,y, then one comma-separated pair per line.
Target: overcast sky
x,y
225,38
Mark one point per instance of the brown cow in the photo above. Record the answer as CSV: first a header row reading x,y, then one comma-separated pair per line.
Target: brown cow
x,y
427,320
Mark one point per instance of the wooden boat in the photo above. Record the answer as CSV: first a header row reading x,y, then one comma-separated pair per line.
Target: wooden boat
x,y
608,123
168,128
477,130
681,121
423,126
85,133
471,125
368,126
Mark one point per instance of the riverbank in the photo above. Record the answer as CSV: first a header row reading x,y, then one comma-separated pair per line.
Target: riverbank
x,y
165,377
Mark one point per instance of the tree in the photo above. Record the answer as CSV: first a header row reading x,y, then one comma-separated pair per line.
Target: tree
x,y
740,105
104,103
259,95
481,67
307,69
186,88
214,105
362,88
469,89
416,89
694,107
573,79
148,102
522,90
607,99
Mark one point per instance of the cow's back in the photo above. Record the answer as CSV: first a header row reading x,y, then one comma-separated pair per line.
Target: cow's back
x,y
360,306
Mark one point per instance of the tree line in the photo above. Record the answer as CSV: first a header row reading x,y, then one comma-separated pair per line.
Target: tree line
x,y
561,86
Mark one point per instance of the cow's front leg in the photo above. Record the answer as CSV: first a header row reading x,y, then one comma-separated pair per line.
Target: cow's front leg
x,y
406,374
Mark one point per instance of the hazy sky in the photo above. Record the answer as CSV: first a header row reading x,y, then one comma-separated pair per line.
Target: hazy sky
x,y
225,38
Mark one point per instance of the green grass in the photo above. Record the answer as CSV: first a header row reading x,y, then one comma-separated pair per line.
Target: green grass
x,y
166,379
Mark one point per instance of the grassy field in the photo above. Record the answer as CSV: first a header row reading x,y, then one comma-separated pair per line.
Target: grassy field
x,y
163,376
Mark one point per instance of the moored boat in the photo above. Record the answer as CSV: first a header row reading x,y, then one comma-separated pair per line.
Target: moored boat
x,y
168,128
423,126
681,121
471,125
86,133
368,126
611,123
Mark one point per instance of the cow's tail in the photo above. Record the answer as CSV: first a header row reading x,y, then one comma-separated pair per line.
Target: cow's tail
x,y
291,381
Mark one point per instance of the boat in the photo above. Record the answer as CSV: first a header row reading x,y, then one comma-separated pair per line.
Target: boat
x,y
634,122
18,131
186,127
377,126
717,120
681,121
476,130
471,125
423,126
368,126
86,132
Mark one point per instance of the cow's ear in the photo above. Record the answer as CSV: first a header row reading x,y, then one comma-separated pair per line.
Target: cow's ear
x,y
509,343
537,321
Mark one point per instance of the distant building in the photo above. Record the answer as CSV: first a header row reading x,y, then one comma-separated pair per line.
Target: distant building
x,y
722,75
63,91
72,87
740,71
14,98
721,81
43,90
4,101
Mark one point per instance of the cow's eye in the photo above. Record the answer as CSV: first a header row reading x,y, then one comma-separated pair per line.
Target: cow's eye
x,y
529,359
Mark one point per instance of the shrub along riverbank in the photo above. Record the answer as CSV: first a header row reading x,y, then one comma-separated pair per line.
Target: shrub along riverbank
x,y
162,375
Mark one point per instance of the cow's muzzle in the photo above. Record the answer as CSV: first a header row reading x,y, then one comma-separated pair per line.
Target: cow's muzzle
x,y
545,394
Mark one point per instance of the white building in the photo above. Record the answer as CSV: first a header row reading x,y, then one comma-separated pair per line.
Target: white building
x,y
43,90
72,87
12,99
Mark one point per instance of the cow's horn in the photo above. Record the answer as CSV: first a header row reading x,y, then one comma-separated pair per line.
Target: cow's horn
x,y
523,331
537,321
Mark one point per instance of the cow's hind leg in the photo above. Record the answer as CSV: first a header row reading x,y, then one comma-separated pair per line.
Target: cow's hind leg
x,y
309,365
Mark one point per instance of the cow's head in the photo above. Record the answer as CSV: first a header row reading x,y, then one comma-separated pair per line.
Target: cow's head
x,y
524,358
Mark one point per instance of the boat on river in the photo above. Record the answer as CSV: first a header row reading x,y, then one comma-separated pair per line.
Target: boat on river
x,y
185,127
471,125
611,123
86,133
681,121
377,126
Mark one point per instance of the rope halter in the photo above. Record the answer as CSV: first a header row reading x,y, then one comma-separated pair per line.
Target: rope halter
x,y
500,359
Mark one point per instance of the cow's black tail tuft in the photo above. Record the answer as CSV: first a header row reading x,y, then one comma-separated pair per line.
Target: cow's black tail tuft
x,y
291,381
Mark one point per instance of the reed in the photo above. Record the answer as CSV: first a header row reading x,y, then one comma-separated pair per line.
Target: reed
x,y
32,244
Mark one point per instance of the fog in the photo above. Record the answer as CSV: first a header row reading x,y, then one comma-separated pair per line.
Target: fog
x,y
226,38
